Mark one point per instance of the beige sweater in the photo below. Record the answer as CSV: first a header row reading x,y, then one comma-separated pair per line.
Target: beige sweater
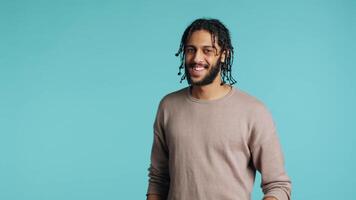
x,y
211,149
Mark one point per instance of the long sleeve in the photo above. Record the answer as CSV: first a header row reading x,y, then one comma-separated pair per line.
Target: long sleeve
x,y
211,149
267,155
159,171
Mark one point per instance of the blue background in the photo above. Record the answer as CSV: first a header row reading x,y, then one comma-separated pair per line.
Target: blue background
x,y
80,82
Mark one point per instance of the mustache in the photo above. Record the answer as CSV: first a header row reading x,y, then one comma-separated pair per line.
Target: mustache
x,y
191,65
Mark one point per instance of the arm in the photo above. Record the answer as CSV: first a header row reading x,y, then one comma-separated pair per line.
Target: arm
x,y
268,157
154,197
158,184
270,198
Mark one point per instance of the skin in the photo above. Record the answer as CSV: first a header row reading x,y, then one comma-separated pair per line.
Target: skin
x,y
155,197
199,51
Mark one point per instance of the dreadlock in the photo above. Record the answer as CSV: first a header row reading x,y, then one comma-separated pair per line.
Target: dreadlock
x,y
216,29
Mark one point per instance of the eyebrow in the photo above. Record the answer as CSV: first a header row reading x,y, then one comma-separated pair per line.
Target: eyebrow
x,y
205,46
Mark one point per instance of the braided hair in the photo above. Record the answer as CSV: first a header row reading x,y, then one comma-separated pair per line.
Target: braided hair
x,y
218,30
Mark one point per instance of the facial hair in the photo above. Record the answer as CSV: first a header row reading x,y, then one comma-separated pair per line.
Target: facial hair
x,y
208,78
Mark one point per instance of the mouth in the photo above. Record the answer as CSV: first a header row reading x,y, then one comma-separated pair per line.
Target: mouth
x,y
197,70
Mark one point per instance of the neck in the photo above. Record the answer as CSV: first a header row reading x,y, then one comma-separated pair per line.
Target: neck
x,y
211,91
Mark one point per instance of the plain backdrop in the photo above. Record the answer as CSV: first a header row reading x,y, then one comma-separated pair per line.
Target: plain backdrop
x,y
80,83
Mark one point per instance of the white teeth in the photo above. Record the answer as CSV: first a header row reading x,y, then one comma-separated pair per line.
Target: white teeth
x,y
198,68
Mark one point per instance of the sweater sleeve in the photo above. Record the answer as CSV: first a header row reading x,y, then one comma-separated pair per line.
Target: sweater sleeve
x,y
158,171
267,156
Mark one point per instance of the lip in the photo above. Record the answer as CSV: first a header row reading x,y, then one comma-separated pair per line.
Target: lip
x,y
197,71
198,68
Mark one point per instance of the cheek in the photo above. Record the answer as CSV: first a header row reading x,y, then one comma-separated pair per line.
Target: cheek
x,y
188,58
186,62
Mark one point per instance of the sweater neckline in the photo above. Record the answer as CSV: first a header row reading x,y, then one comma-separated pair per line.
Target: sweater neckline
x,y
205,101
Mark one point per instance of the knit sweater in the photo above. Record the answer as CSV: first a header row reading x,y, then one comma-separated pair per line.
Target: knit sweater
x,y
211,149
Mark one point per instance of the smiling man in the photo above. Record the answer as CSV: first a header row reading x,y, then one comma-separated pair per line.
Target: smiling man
x,y
210,138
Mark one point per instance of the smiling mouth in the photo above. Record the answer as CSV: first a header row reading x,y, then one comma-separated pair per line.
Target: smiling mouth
x,y
198,68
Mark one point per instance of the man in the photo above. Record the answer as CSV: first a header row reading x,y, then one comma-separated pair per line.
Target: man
x,y
210,137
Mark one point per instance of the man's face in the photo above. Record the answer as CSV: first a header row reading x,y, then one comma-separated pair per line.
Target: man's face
x,y
202,60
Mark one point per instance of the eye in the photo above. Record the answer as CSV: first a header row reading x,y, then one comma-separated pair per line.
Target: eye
x,y
208,51
189,50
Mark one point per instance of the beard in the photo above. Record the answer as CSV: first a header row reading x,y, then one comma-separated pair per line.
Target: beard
x,y
208,78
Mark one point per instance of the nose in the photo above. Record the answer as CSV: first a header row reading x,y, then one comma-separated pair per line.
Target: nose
x,y
198,57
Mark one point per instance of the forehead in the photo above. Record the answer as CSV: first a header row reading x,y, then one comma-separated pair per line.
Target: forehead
x,y
201,38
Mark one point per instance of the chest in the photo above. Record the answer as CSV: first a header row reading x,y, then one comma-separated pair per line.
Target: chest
x,y
203,129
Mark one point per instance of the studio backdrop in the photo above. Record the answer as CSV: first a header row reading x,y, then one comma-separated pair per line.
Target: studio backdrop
x,y
80,82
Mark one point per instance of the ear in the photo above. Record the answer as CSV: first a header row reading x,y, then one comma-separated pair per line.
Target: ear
x,y
224,54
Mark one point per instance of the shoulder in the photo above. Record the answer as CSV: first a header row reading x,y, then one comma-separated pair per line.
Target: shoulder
x,y
173,98
251,104
259,118
247,99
